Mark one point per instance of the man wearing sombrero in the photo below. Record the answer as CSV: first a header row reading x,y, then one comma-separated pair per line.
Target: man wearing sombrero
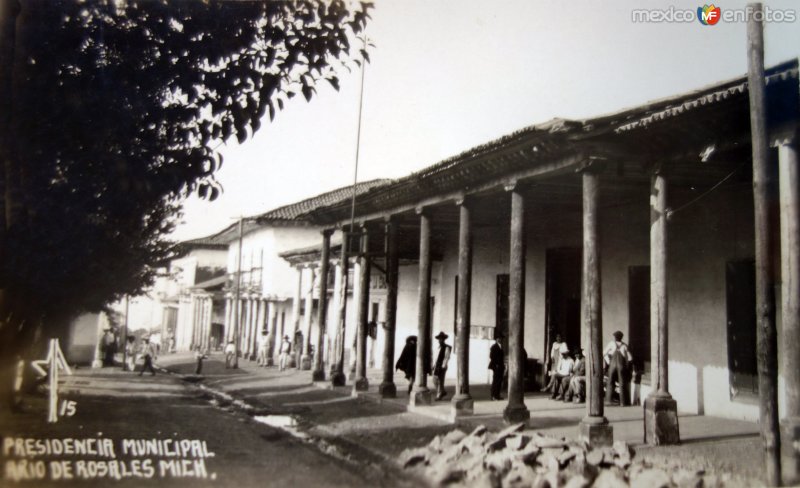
x,y
440,367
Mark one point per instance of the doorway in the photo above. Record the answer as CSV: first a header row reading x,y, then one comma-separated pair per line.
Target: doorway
x,y
563,297
501,309
639,316
740,294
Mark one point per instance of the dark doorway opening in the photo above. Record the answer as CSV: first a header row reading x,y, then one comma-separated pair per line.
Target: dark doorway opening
x,y
563,297
501,309
740,288
639,316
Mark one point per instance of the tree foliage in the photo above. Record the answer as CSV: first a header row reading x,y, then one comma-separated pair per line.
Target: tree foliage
x,y
117,109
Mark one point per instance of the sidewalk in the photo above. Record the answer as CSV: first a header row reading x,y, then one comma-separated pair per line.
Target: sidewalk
x,y
384,427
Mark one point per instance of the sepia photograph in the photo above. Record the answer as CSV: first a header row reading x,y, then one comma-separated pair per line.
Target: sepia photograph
x,y
399,243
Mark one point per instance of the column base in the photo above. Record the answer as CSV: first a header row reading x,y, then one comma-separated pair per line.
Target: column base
x,y
661,420
597,431
305,362
270,362
462,406
291,362
420,396
361,384
338,378
514,414
97,363
790,452
387,390
318,375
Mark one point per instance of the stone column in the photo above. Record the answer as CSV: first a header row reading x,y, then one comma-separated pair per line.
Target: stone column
x,y
245,328
790,308
255,328
516,411
322,307
387,387
228,322
355,306
362,384
660,409
421,395
594,427
462,403
338,377
296,316
262,326
271,313
307,322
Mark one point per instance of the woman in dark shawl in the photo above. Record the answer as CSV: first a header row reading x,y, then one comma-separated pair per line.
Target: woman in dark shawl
x,y
408,361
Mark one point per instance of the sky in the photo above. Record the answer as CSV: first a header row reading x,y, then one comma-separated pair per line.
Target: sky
x,y
447,75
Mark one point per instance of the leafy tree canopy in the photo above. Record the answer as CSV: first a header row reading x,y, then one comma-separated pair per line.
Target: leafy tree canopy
x,y
117,108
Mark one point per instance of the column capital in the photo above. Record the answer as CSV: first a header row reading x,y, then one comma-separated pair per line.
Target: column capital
x,y
592,164
422,210
511,185
327,232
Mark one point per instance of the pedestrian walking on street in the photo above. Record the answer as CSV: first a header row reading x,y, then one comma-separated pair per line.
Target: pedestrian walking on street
x,y
263,352
497,365
230,351
440,368
408,361
130,353
149,353
199,356
286,350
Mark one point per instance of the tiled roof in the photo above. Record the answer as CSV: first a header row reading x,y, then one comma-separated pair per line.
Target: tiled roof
x,y
297,212
538,144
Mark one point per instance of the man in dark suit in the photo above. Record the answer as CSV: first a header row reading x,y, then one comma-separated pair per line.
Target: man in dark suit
x,y
497,365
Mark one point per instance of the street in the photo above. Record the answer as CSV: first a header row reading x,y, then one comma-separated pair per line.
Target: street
x,y
120,407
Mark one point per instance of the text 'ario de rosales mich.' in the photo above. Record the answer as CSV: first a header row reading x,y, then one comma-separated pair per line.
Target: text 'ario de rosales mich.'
x,y
103,458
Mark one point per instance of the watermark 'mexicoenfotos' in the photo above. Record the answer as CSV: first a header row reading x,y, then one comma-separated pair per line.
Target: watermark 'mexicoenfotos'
x,y
711,15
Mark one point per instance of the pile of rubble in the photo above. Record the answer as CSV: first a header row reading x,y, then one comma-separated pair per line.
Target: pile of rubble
x,y
519,458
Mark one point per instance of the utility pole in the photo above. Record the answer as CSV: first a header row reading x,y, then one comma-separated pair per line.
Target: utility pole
x,y
766,334
238,292
125,336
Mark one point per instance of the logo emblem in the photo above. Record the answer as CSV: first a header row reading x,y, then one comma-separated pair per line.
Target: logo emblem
x,y
708,14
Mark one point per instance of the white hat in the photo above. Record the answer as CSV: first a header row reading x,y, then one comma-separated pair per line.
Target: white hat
x,y
563,349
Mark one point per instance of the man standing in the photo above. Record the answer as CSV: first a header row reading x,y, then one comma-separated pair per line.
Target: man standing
x,y
440,368
497,365
286,348
109,347
149,353
618,357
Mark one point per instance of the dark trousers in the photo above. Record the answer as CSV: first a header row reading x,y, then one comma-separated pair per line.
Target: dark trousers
x,y
617,374
199,368
497,381
148,365
439,380
108,357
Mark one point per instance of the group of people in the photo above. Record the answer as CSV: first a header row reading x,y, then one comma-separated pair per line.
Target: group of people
x,y
407,363
566,370
568,375
147,350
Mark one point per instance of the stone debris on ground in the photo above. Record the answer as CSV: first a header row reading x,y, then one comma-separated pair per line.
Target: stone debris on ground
x,y
516,458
